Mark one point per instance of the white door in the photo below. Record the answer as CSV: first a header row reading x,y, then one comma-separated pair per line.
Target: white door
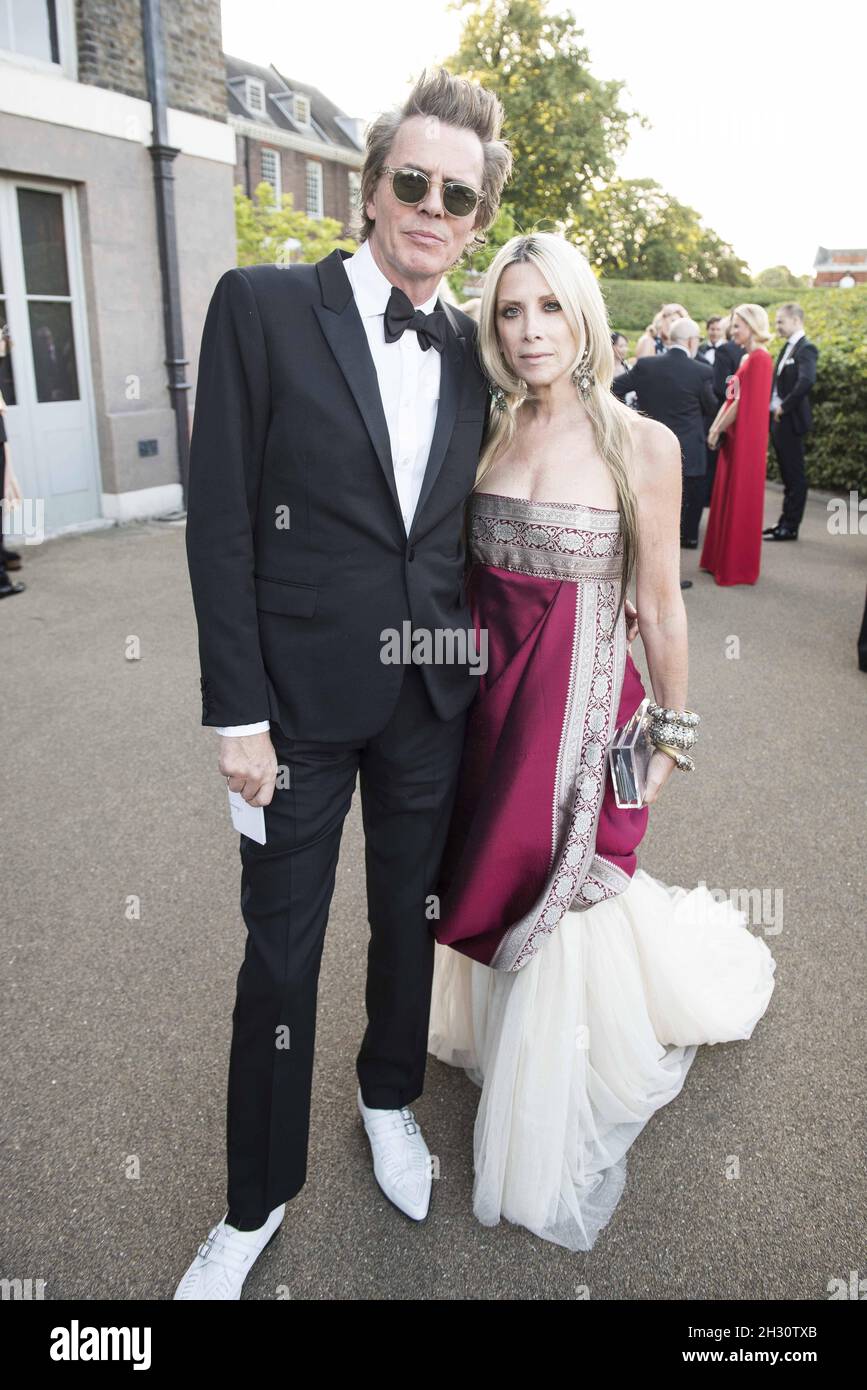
x,y
44,356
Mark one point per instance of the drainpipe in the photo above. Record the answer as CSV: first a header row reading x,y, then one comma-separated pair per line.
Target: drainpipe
x,y
163,156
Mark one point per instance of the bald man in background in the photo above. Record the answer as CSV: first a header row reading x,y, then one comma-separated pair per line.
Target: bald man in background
x,y
677,390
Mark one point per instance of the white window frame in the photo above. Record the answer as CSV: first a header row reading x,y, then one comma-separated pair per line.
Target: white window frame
x,y
319,184
68,65
251,84
302,101
277,184
353,178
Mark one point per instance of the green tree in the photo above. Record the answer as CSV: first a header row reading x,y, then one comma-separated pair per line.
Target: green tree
x,y
565,126
633,228
267,233
780,277
501,230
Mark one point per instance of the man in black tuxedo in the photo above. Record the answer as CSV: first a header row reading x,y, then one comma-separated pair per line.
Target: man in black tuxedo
x,y
715,335
339,419
727,355
727,358
791,417
678,391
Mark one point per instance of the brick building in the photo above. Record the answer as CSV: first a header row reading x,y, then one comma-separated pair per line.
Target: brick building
x,y
292,136
85,370
835,267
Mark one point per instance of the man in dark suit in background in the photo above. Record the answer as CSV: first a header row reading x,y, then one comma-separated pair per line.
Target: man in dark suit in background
x,y
715,336
791,417
678,391
727,355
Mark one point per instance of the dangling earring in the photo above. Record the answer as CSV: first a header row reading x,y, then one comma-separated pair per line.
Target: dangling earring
x,y
583,375
498,395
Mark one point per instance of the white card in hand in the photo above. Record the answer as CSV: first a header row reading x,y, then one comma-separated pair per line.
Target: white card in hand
x,y
248,820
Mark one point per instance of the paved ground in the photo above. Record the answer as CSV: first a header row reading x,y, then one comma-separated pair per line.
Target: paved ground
x,y
116,1029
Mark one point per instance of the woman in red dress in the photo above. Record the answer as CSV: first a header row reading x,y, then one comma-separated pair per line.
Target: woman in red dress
x,y
733,541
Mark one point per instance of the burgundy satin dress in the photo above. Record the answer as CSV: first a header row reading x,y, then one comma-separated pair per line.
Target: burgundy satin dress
x,y
535,828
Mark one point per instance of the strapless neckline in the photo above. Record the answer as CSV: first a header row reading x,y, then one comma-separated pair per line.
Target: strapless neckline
x,y
535,502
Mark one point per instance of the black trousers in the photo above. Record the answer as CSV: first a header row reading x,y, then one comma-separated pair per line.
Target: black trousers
x,y
408,778
691,504
789,448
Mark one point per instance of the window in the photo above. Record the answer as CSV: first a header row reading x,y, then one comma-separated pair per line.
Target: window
x,y
254,95
29,27
270,166
301,109
49,298
354,179
314,189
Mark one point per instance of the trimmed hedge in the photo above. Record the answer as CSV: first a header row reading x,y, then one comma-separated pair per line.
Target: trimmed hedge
x,y
835,320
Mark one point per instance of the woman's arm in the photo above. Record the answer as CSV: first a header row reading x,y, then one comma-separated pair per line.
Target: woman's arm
x,y
725,416
658,597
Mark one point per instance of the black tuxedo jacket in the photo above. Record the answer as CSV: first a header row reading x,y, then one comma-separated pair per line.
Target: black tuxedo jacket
x,y
297,551
794,383
726,361
678,391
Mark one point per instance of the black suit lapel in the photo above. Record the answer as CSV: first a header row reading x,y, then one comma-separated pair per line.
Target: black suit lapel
x,y
344,331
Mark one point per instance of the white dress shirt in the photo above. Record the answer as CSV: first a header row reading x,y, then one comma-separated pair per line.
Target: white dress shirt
x,y
409,385
790,347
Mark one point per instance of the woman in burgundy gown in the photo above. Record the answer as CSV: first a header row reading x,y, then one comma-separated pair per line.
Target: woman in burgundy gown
x,y
571,985
733,541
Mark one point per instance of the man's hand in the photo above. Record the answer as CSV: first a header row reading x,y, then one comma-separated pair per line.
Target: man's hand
x,y
631,622
249,765
778,413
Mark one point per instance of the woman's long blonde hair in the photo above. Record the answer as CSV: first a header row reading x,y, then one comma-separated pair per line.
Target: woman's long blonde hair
x,y
572,282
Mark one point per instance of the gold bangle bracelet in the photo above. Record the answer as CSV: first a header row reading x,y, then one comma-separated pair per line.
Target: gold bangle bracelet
x,y
677,754
667,748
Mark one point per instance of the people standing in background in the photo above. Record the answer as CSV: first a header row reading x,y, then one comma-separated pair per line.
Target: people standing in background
x,y
715,336
726,360
620,344
645,343
733,540
657,342
791,417
678,391
9,492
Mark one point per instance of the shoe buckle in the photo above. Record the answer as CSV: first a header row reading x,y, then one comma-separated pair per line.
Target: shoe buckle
x,y
207,1245
408,1118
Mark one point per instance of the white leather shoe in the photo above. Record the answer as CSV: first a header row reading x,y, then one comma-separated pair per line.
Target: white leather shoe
x,y
224,1260
401,1158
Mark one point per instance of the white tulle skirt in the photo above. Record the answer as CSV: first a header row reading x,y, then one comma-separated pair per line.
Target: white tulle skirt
x,y
575,1051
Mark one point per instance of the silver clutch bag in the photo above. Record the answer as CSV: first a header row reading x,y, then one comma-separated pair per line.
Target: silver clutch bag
x,y
629,754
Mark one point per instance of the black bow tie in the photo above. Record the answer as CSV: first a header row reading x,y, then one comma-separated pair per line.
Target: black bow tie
x,y
400,315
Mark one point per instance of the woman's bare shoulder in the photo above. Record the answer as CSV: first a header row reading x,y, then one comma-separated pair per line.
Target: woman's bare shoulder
x,y
656,452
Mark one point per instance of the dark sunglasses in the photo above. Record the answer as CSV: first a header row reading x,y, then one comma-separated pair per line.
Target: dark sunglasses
x,y
411,186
